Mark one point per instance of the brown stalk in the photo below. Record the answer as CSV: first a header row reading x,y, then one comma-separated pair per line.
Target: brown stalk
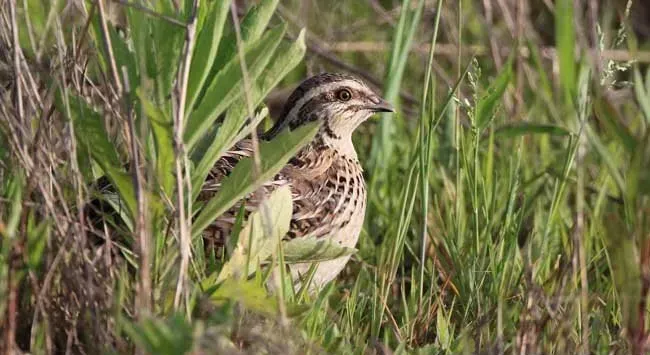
x,y
143,294
15,256
182,172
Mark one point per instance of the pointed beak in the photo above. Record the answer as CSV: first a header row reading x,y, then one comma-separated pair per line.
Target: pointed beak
x,y
380,105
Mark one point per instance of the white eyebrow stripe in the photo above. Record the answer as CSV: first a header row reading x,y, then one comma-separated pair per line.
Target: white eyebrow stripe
x,y
352,84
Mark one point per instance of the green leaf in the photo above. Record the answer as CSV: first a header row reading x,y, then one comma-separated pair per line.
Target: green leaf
x,y
442,330
610,118
565,39
206,49
311,249
642,95
251,295
286,58
625,265
227,86
383,142
610,161
124,57
90,132
161,336
140,31
273,156
252,27
226,137
37,238
167,45
486,105
257,19
14,192
523,128
162,129
259,238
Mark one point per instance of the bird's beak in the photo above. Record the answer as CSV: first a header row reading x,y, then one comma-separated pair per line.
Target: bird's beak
x,y
381,105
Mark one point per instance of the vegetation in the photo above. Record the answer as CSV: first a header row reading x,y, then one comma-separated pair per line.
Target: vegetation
x,y
509,197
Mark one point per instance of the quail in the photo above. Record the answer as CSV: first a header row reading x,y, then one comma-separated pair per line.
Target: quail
x,y
325,177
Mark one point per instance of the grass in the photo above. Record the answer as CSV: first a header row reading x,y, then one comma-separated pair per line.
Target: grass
x,y
508,197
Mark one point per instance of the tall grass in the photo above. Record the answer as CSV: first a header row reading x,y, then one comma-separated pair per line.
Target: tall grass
x,y
508,203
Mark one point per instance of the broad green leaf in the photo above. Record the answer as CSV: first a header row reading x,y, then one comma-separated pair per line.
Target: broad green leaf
x,y
259,238
252,26
249,293
231,130
228,85
124,57
241,182
206,49
167,46
486,105
311,249
160,336
565,39
140,35
121,53
257,19
442,330
523,128
161,127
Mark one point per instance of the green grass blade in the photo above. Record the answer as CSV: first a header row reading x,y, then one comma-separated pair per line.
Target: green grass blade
x,y
565,39
227,85
286,58
205,50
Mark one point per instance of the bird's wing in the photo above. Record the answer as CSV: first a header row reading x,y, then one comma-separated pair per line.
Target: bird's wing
x,y
307,176
222,226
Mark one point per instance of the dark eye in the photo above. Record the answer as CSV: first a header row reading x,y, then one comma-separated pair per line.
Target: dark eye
x,y
344,95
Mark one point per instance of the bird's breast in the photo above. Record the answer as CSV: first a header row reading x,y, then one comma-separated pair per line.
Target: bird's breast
x,y
330,202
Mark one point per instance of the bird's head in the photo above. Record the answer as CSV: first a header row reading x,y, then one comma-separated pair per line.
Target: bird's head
x,y
340,102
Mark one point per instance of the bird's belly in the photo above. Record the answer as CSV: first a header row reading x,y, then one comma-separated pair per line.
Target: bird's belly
x,y
346,236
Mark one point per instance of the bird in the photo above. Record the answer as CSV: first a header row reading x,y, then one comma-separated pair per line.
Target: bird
x,y
325,176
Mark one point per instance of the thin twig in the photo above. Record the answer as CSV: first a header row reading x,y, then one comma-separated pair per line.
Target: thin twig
x,y
182,173
15,255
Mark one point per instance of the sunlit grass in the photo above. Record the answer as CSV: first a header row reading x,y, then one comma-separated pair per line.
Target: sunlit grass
x,y
508,205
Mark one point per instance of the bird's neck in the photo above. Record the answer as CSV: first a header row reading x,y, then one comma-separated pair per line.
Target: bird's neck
x,y
341,144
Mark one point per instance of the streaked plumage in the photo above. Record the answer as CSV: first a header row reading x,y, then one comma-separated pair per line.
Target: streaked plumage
x,y
325,177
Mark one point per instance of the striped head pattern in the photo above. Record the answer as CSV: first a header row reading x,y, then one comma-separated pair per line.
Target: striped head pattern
x,y
340,101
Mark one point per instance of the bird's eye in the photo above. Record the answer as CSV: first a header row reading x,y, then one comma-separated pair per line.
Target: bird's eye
x,y
344,95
